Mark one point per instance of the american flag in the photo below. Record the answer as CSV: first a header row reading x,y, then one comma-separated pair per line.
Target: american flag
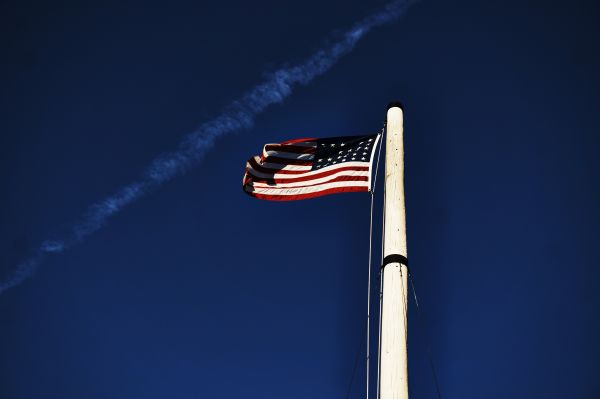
x,y
307,168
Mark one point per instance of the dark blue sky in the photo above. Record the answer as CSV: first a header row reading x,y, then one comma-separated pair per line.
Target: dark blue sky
x,y
201,291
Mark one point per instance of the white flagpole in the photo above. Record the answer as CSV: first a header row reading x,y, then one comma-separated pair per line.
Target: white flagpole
x,y
394,331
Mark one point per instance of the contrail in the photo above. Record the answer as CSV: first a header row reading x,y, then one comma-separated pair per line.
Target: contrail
x,y
192,148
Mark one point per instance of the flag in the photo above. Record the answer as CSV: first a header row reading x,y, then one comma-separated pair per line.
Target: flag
x,y
308,168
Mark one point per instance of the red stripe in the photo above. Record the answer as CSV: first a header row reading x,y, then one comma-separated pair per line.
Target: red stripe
x,y
336,190
298,141
305,178
290,148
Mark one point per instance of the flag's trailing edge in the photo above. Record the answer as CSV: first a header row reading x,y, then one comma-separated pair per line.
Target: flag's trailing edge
x,y
308,168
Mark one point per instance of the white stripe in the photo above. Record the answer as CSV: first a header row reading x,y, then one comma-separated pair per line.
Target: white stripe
x,y
306,190
278,166
288,155
314,181
292,176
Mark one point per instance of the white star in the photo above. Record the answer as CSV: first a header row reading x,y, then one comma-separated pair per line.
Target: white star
x,y
329,159
343,144
353,158
363,158
321,160
339,156
332,144
370,139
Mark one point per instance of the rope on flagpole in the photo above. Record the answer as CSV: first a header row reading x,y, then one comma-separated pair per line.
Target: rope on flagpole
x,y
405,309
378,156
369,288
356,361
380,274
368,357
428,347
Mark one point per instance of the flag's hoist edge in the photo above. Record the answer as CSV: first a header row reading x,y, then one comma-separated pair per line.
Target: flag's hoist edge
x,y
286,171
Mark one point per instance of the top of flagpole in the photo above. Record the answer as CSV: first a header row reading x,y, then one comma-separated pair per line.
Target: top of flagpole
x,y
395,104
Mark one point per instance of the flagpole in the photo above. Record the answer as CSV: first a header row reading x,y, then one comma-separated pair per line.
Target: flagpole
x,y
394,330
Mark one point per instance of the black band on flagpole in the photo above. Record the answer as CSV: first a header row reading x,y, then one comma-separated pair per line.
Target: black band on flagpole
x,y
394,258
